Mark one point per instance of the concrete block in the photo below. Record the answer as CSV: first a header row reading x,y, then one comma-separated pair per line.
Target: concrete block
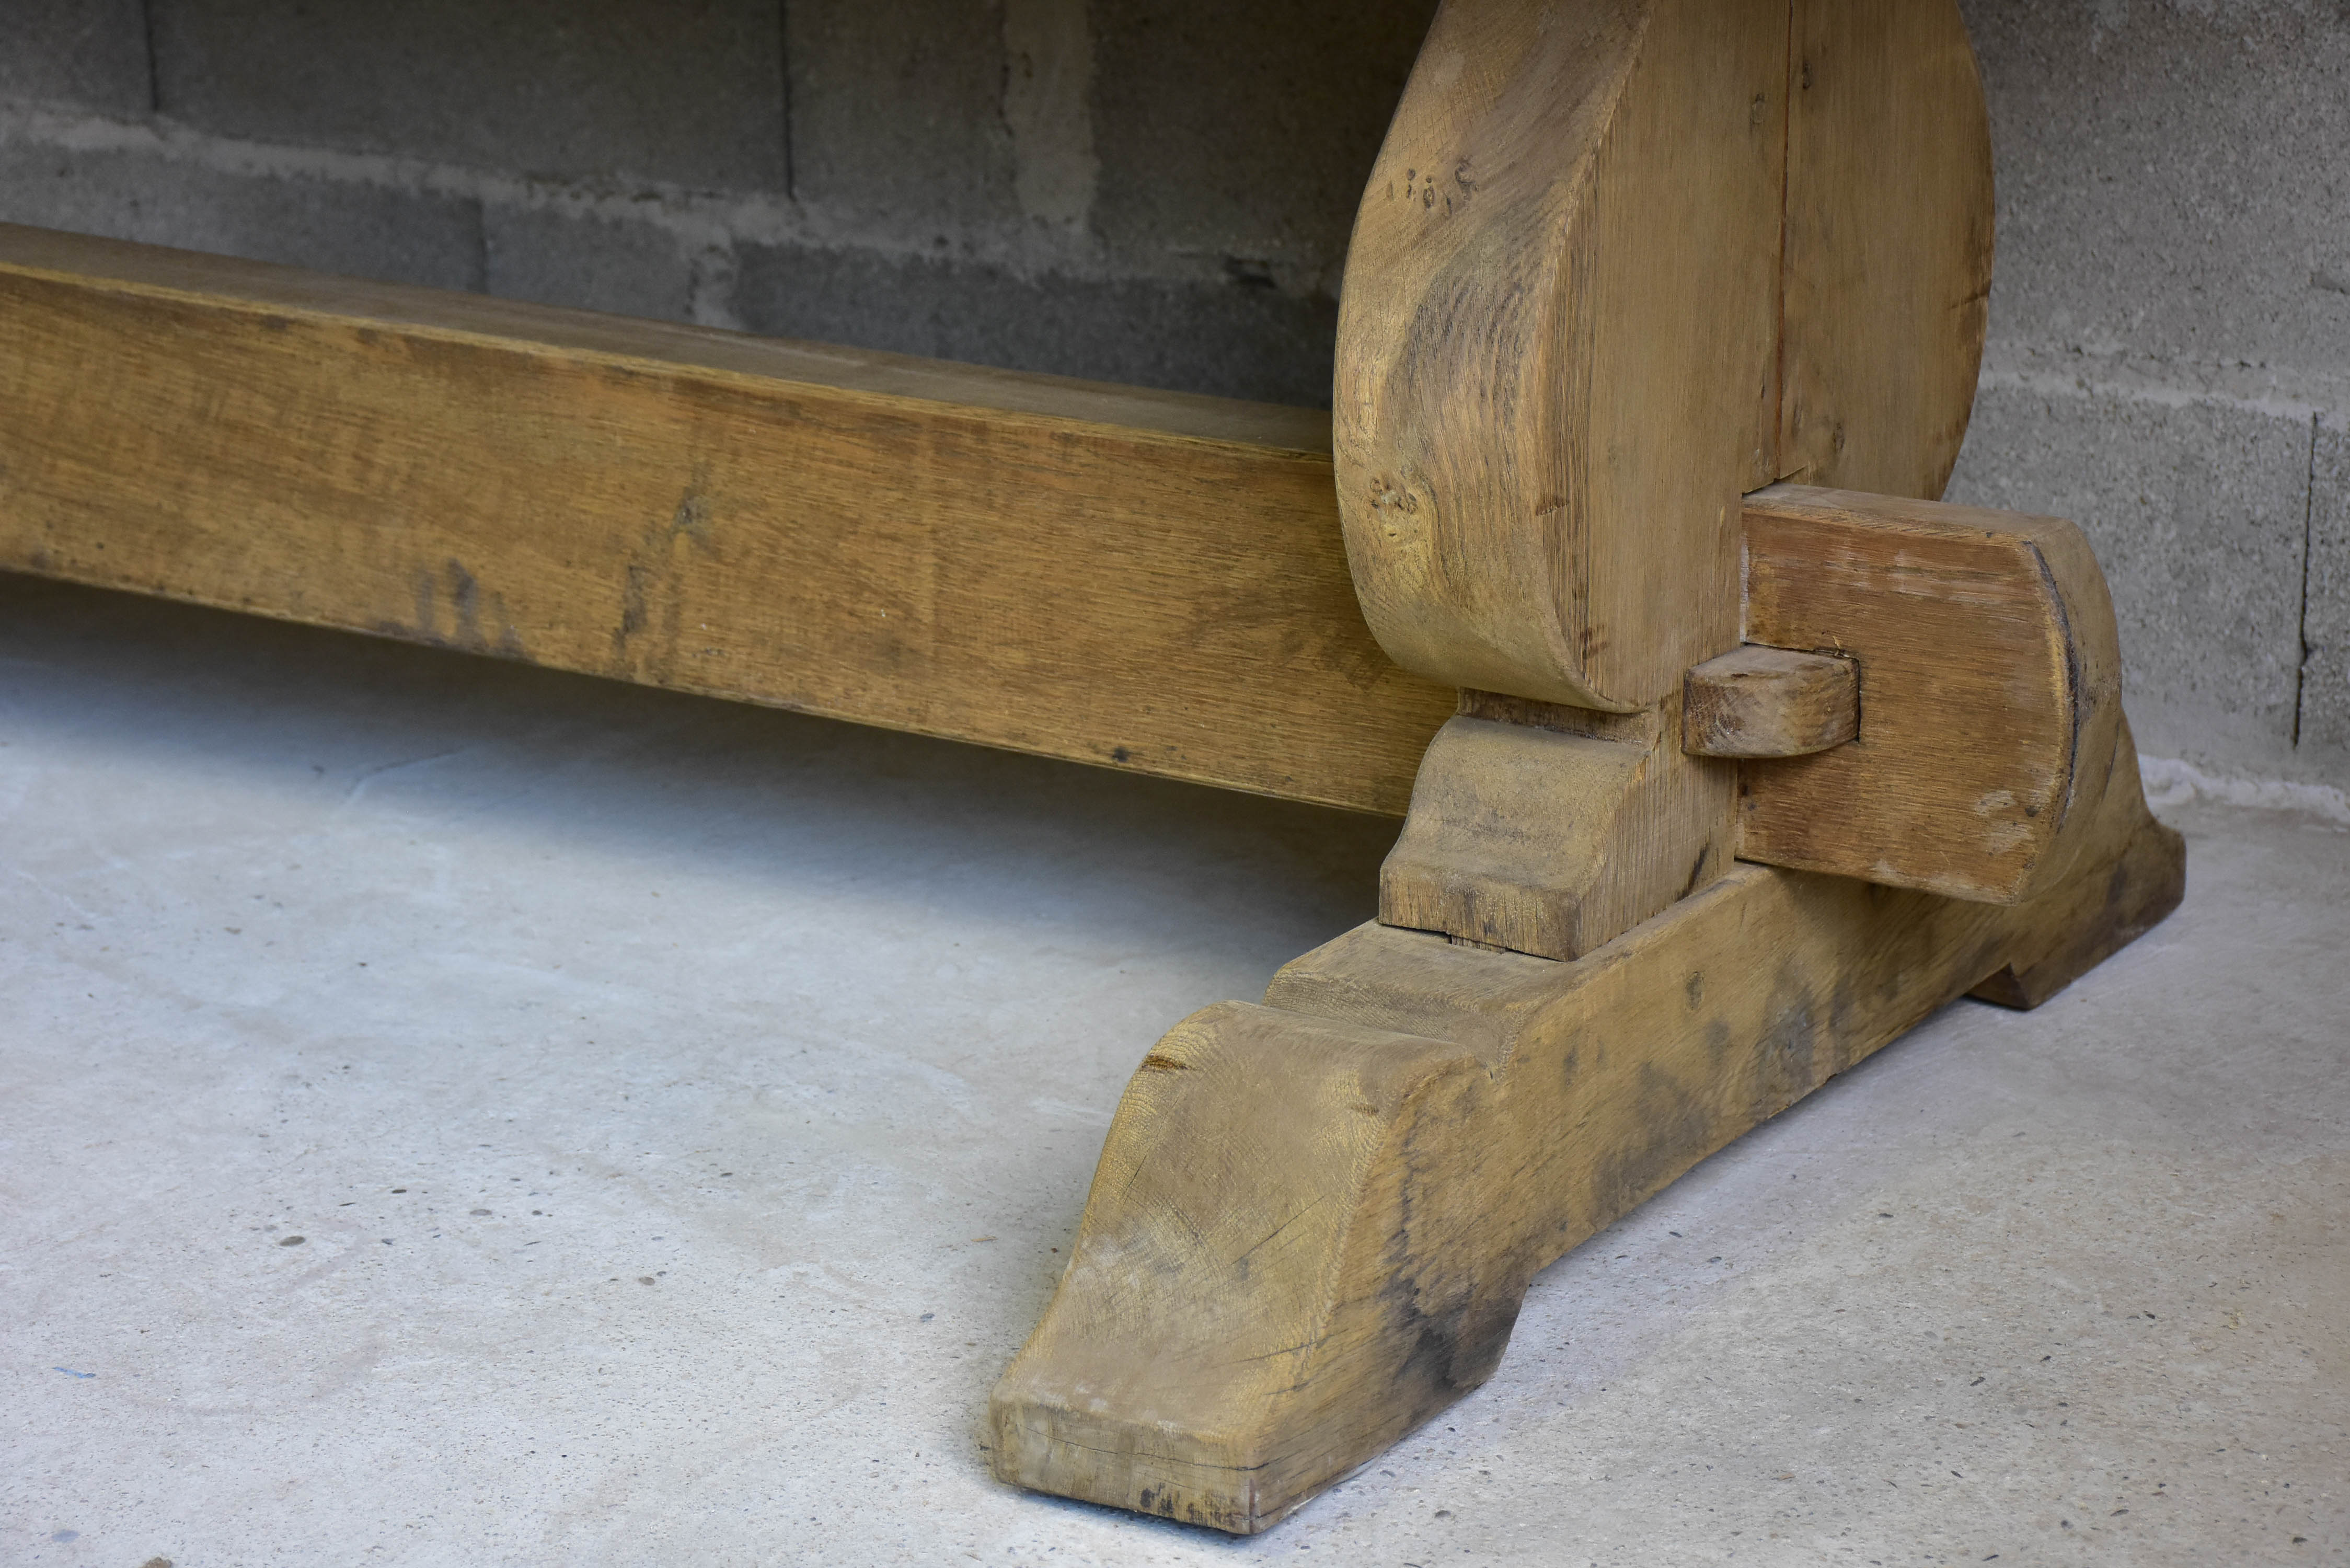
x,y
587,262
2172,178
1233,340
91,54
365,231
897,113
1048,77
2197,512
599,90
1234,128
2325,624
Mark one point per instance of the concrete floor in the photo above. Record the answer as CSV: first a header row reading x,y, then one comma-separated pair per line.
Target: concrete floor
x,y
455,1114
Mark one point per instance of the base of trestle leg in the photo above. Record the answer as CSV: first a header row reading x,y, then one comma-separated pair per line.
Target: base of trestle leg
x,y
1314,1220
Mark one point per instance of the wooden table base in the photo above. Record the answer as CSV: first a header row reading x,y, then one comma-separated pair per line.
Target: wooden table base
x,y
1314,1220
1660,318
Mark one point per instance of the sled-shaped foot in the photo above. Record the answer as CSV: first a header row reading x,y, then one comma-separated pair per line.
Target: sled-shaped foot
x,y
1314,1220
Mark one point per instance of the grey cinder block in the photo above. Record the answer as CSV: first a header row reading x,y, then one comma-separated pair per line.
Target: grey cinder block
x,y
685,93
585,261
2196,510
1234,341
91,54
2173,179
1242,130
2325,660
365,231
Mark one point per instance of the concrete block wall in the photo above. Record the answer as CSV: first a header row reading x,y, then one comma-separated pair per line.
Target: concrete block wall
x,y
2169,354
1160,191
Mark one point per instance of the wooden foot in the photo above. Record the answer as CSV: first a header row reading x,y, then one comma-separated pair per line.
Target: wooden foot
x,y
1314,1220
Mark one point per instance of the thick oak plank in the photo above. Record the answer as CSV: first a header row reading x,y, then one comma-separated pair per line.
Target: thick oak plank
x,y
1886,283
1990,690
1314,1220
1114,576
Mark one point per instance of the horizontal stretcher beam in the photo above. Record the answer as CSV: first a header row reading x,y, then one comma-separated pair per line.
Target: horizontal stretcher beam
x,y
1114,576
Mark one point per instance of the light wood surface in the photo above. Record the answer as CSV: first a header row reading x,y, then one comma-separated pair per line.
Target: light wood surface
x,y
1314,1220
1567,315
1551,834
1620,262
1758,702
1558,340
1991,690
1886,276
1137,580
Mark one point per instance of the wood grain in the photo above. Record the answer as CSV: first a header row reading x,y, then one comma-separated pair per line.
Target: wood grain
x,y
1539,835
1567,315
1137,580
1558,340
1886,276
1991,684
1314,1220
1759,701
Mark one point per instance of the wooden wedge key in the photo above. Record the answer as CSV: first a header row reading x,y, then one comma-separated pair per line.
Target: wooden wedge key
x,y
1659,335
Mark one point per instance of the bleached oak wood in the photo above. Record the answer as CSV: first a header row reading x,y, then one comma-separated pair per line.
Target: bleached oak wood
x,y
1557,343
1759,701
1133,579
1552,830
1990,682
1886,275
814,528
1596,232
1985,645
1314,1220
1599,290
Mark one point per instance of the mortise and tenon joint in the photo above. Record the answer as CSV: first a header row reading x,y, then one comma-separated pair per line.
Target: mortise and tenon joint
x,y
1660,332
